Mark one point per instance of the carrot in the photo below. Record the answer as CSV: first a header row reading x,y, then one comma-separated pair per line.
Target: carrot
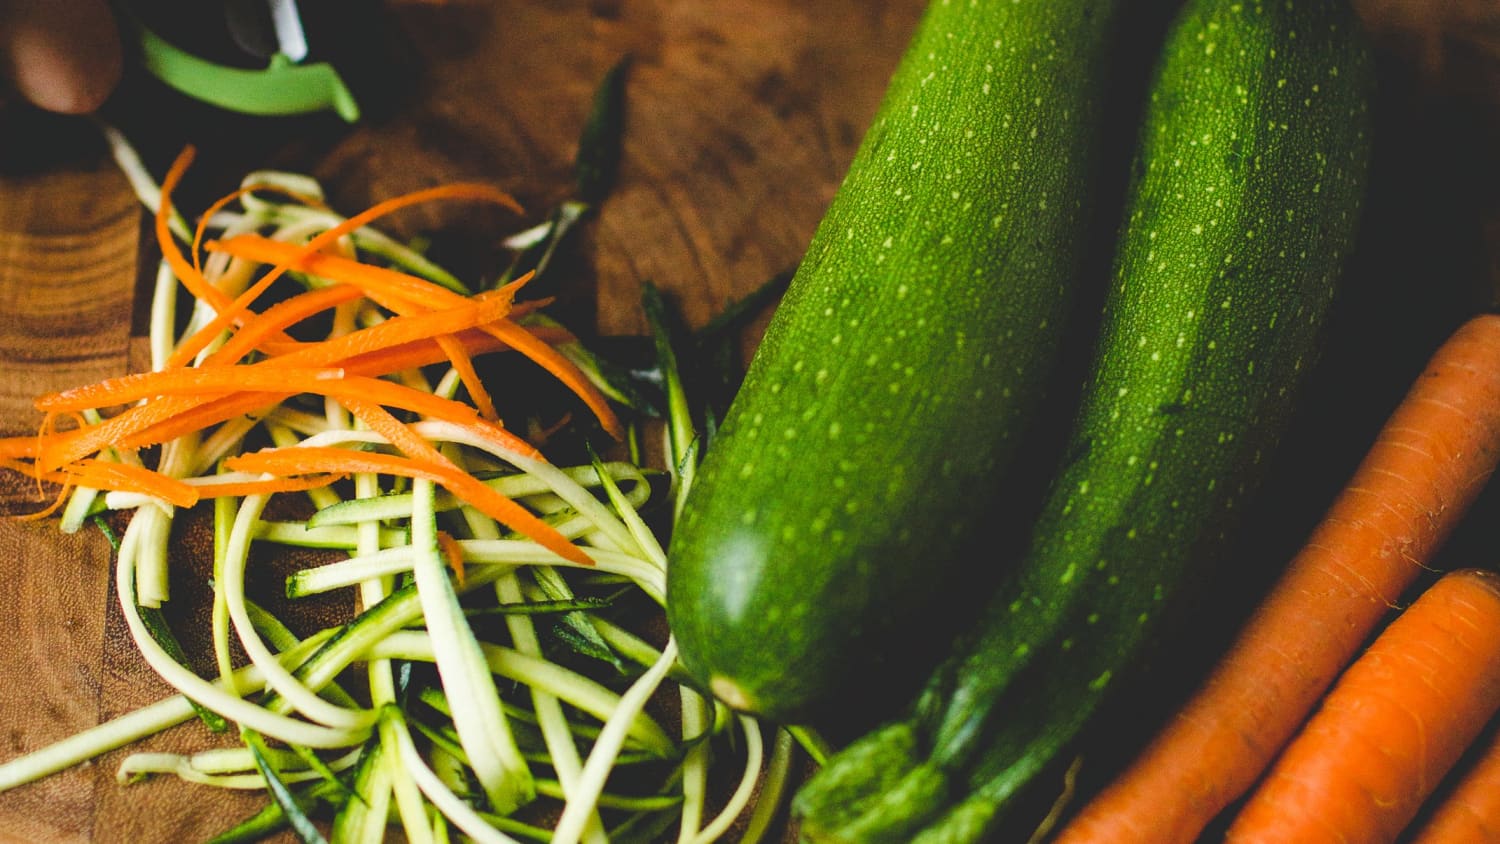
x,y
1390,729
1471,811
259,331
122,428
196,381
190,346
397,291
1425,468
452,552
396,284
320,459
103,474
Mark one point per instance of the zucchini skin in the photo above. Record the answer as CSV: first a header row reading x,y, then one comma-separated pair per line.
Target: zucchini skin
x,y
901,369
1244,204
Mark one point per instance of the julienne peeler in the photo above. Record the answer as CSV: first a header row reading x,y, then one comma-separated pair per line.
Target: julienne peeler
x,y
255,57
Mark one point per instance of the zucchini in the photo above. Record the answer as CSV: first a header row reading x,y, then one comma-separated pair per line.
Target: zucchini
x,y
1242,208
902,366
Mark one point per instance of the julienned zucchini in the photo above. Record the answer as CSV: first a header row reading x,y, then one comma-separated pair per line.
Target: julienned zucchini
x,y
902,366
1244,206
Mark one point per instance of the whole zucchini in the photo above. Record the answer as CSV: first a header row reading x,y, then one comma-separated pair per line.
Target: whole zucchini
x,y
902,366
1248,186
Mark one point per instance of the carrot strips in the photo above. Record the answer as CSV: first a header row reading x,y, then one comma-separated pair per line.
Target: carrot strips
x,y
190,347
427,323
452,552
1424,470
104,474
392,284
188,274
196,381
318,459
1397,720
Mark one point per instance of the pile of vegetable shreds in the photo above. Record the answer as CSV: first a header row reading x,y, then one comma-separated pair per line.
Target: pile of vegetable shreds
x,y
444,514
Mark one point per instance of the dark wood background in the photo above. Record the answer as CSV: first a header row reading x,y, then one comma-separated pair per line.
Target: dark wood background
x,y
741,117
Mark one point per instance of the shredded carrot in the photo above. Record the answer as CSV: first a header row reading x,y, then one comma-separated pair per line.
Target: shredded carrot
x,y
222,202
181,266
398,284
1424,470
194,381
400,292
55,502
259,331
1392,726
108,475
1471,811
453,553
316,459
191,346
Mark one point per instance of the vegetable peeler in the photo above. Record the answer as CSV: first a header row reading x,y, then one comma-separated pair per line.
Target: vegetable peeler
x,y
249,56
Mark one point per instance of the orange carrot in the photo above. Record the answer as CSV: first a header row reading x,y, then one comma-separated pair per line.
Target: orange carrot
x,y
452,552
1471,811
201,232
190,346
103,474
181,266
345,390
120,429
397,291
318,459
394,284
1392,726
259,331
1422,473
195,381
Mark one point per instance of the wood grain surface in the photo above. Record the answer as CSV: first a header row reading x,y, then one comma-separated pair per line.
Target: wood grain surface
x,y
741,118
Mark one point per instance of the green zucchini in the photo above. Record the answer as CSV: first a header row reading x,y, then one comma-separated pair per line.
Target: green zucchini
x,y
902,366
1242,210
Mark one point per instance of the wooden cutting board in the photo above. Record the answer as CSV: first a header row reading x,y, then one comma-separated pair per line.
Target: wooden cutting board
x,y
741,118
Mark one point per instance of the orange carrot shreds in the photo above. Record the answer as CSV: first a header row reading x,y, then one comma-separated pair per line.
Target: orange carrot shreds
x,y
200,233
1392,726
424,352
195,381
361,389
128,426
1471,811
1422,473
456,191
258,331
181,266
453,553
318,459
400,285
55,502
400,292
463,364
380,283
203,414
67,447
123,477
521,339
472,312
264,486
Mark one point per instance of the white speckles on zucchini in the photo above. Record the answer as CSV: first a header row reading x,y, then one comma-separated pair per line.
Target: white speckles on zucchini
x,y
945,234
1188,394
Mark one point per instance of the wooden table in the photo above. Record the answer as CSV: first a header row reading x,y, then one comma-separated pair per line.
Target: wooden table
x,y
742,115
